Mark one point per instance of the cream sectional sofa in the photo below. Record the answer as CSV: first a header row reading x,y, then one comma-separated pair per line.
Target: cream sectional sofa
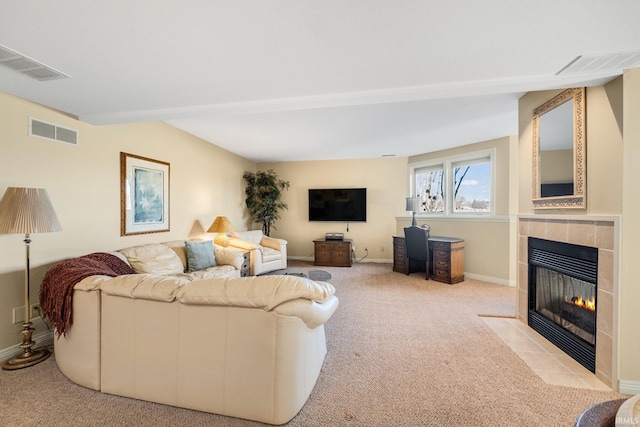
x,y
249,347
266,253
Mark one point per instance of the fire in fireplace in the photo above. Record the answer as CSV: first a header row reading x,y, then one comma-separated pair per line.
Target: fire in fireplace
x,y
562,296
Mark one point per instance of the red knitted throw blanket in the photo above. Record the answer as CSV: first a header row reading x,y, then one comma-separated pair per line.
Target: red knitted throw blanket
x,y
56,290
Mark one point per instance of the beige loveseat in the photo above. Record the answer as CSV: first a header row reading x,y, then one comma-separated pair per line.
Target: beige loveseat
x,y
243,347
266,253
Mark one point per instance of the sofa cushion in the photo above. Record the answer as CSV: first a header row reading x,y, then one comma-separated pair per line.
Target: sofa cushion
x,y
152,287
178,247
269,254
154,258
264,292
213,272
200,255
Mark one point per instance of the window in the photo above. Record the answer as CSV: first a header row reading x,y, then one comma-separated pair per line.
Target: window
x,y
472,186
454,185
429,183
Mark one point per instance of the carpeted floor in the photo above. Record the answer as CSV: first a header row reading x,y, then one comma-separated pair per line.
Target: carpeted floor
x,y
402,351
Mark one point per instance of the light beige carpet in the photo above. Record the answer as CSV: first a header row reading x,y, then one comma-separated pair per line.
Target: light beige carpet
x,y
402,351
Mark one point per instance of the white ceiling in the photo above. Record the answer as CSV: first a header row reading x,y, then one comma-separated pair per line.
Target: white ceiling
x,y
286,80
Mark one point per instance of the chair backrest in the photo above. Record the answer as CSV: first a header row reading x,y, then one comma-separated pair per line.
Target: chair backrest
x,y
417,243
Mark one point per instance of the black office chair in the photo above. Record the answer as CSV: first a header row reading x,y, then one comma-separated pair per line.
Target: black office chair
x,y
417,243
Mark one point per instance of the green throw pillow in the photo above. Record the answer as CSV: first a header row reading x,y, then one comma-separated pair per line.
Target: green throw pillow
x,y
200,255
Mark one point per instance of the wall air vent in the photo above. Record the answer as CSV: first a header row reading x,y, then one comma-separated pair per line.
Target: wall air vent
x,y
52,132
607,62
27,66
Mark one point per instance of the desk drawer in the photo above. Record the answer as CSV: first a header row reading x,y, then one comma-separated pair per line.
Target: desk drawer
x,y
322,246
441,245
322,252
441,263
441,274
438,254
400,265
341,247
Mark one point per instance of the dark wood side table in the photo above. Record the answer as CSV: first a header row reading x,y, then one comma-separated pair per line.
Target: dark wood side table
x,y
446,256
333,253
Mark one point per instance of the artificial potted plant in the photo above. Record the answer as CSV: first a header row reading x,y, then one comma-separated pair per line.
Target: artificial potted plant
x,y
263,193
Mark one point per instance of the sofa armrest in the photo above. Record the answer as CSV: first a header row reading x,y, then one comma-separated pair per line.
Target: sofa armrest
x,y
312,313
273,243
229,256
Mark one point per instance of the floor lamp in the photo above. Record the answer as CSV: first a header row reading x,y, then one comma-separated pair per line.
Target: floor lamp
x,y
26,211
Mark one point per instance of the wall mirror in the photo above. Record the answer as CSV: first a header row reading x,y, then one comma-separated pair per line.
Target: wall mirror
x,y
559,152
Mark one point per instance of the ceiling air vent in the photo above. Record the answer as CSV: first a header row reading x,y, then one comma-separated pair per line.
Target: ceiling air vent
x,y
52,132
27,66
607,62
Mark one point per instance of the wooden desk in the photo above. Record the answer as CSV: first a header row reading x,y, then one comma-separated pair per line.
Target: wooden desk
x,y
446,257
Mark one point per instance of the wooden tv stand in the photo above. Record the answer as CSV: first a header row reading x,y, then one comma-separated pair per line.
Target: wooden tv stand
x,y
332,253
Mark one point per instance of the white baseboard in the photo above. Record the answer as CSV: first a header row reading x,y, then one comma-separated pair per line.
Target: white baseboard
x,y
41,340
489,279
376,261
629,387
301,258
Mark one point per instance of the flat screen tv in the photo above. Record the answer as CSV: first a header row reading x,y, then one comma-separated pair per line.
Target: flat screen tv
x,y
338,204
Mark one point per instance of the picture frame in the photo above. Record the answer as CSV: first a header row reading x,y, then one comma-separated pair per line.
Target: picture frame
x,y
144,195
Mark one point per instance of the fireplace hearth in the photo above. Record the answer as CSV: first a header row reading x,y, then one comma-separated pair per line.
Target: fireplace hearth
x,y
562,296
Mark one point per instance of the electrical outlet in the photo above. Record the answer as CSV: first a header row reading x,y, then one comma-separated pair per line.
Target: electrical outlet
x,y
35,310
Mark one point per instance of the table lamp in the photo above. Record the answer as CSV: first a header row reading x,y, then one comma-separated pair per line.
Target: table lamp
x,y
222,226
412,206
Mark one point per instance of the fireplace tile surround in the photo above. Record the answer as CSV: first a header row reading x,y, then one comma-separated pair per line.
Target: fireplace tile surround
x,y
596,231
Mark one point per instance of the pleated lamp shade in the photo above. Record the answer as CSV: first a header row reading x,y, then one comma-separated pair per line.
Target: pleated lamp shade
x,y
221,225
26,211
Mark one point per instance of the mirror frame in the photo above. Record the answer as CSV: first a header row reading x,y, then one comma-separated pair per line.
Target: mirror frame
x,y
578,200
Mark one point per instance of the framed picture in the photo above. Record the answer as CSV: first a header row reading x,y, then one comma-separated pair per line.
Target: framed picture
x,y
144,195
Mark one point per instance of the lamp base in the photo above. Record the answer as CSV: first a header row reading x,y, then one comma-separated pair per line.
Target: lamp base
x,y
25,360
221,240
29,357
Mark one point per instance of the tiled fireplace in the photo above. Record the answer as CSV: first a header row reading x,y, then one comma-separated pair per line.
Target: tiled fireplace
x,y
595,232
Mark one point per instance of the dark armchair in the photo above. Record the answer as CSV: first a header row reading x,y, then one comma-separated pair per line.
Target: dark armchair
x,y
417,244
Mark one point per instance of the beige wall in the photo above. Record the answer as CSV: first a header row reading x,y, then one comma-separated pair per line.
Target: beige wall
x,y
629,318
84,185
385,180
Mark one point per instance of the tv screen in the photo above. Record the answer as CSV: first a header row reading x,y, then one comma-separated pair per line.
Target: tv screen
x,y
338,204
